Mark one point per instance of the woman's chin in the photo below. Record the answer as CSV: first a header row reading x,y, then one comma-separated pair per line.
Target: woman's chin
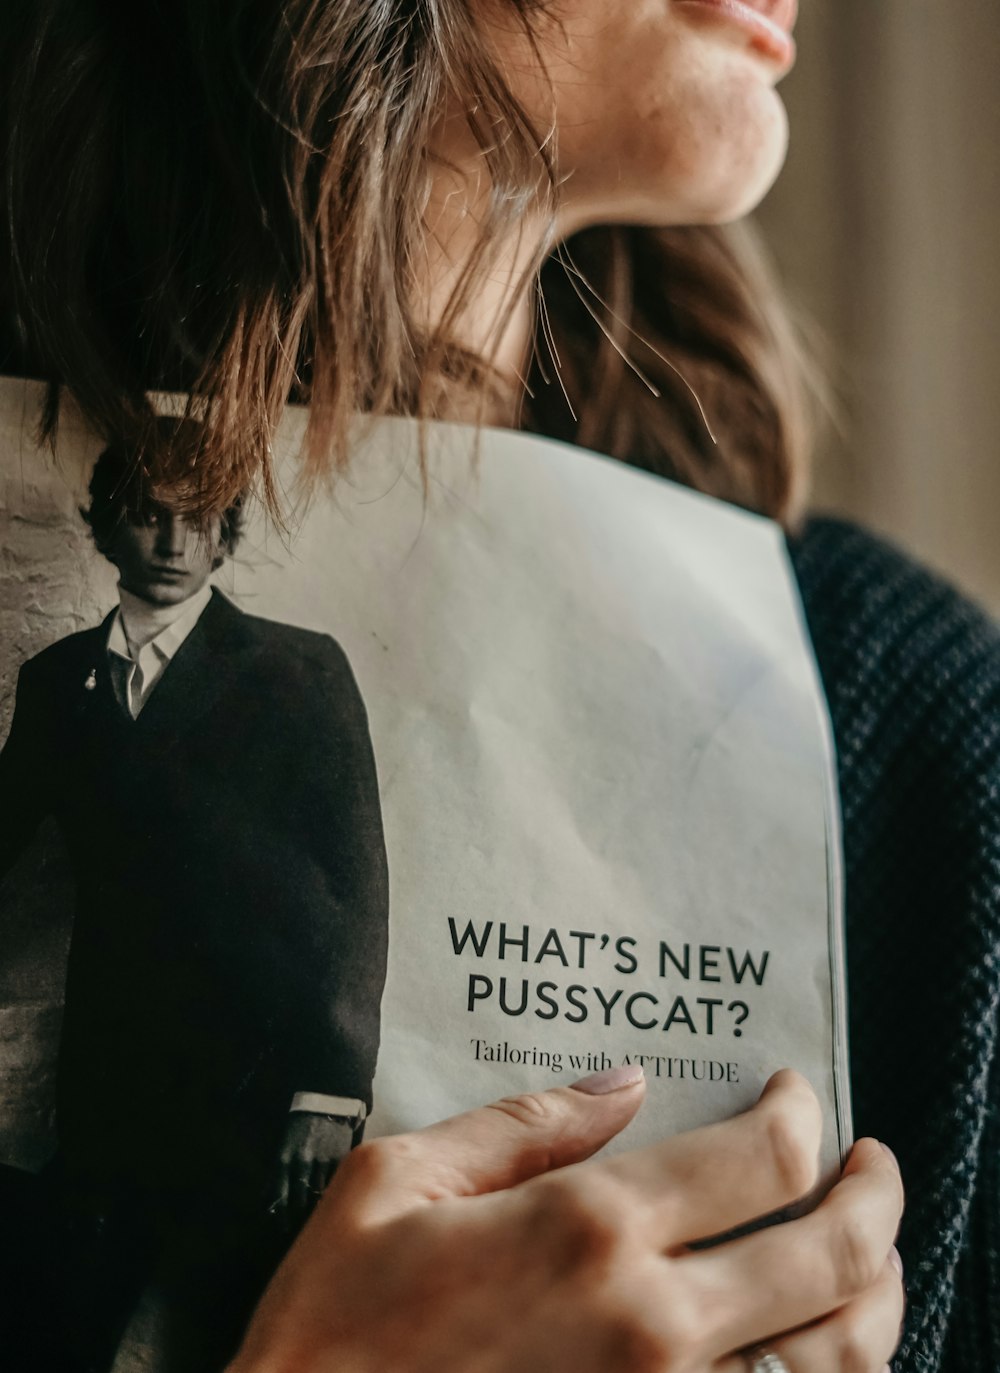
x,y
734,177
710,159
725,209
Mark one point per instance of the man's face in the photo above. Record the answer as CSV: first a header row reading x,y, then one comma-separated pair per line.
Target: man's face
x,y
161,557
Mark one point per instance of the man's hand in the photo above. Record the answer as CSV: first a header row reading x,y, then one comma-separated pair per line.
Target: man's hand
x,y
312,1148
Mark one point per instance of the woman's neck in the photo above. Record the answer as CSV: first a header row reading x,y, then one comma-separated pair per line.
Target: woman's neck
x,y
497,321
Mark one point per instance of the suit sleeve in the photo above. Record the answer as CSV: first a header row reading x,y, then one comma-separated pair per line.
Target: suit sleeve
x,y
343,889
24,770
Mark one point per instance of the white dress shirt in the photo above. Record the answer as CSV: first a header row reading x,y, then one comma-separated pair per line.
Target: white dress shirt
x,y
142,641
144,638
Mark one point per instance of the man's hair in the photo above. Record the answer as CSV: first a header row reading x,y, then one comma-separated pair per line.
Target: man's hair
x,y
255,244
127,486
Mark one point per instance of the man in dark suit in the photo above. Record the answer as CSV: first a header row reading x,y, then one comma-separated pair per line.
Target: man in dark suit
x,y
213,777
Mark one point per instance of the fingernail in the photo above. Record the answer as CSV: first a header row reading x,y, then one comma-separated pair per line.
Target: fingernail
x,y
895,1260
890,1153
611,1080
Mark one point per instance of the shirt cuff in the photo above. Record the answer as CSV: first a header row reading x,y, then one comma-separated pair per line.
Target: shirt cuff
x,y
321,1105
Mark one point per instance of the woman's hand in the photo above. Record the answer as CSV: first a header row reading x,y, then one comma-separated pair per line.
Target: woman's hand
x,y
485,1243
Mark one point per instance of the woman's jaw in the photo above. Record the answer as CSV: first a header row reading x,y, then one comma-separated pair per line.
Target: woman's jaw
x,y
664,113
676,120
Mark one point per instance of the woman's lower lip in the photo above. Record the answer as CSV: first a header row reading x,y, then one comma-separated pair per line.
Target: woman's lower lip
x,y
766,36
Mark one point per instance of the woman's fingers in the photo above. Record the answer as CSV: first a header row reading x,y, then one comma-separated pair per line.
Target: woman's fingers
x,y
493,1147
449,1230
718,1177
688,1187
861,1336
789,1275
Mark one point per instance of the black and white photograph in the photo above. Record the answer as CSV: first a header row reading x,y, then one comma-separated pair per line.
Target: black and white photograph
x,y
212,779
232,807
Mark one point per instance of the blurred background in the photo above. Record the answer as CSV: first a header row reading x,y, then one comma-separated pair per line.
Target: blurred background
x,y
886,227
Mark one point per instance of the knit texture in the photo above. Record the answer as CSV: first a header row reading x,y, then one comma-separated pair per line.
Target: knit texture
x,y
912,674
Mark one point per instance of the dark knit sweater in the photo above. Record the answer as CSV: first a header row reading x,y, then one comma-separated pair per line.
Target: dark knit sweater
x,y
912,673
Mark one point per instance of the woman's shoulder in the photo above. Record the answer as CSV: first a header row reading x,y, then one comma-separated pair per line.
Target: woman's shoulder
x,y
906,659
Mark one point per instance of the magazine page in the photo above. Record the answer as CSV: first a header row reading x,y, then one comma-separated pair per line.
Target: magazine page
x,y
472,783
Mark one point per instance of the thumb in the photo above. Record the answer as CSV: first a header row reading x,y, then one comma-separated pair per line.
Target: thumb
x,y
507,1142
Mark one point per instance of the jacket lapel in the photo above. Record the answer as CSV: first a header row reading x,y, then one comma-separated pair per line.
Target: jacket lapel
x,y
91,689
208,662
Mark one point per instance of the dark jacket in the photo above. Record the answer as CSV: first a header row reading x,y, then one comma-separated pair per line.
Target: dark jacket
x,y
230,937
912,672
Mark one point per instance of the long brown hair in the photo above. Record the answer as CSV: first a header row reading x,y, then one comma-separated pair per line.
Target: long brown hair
x,y
225,199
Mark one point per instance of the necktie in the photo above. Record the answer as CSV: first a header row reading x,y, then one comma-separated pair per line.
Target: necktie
x,y
136,683
126,682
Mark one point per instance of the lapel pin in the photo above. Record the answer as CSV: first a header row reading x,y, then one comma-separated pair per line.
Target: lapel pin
x,y
91,683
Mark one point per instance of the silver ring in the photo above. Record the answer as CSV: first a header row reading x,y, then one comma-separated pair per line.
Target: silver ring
x,y
766,1361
